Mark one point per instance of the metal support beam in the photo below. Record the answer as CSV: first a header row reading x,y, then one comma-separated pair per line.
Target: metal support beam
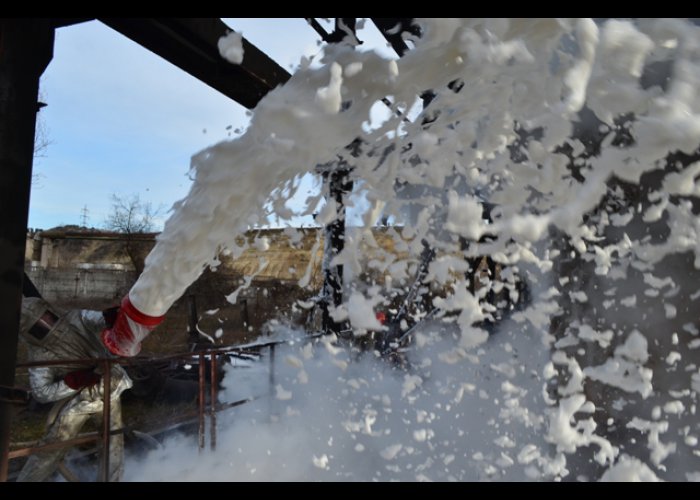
x,y
26,47
339,185
62,22
214,396
202,399
392,28
410,302
271,384
29,289
337,176
106,418
325,36
191,44
344,26
192,319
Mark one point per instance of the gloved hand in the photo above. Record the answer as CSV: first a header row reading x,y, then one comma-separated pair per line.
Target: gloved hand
x,y
130,328
80,379
110,316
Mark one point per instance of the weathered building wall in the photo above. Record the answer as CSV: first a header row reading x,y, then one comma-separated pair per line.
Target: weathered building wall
x,y
81,286
89,257
89,269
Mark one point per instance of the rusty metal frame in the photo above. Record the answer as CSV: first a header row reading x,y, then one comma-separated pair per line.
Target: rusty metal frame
x,y
214,386
202,400
198,415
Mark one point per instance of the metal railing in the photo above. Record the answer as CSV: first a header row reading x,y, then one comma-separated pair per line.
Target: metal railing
x,y
202,411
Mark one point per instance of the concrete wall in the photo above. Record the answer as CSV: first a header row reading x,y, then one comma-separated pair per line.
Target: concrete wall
x,y
89,269
76,286
92,261
69,249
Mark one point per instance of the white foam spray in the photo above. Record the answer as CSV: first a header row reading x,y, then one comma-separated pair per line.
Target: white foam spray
x,y
583,137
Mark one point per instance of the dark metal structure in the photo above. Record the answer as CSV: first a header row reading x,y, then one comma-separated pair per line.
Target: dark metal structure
x,y
337,178
339,187
191,44
393,28
198,416
26,47
192,318
337,175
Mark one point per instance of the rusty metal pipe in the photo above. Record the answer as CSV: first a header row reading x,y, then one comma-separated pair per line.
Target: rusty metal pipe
x,y
155,359
202,400
272,379
68,363
25,452
212,404
106,418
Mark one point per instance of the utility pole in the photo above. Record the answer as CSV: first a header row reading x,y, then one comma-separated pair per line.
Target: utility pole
x,y
84,216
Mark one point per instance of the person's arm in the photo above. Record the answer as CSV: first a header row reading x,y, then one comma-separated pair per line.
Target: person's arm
x,y
93,320
46,388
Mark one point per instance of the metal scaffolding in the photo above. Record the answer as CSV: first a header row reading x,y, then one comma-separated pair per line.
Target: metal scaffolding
x,y
207,404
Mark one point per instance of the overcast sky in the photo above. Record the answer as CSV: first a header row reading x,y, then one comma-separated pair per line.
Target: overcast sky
x,y
121,120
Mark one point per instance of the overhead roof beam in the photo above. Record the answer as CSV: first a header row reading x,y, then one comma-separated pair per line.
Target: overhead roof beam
x,y
325,36
191,44
392,28
61,22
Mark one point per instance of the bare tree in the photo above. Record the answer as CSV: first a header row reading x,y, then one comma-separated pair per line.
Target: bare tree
x,y
41,142
133,218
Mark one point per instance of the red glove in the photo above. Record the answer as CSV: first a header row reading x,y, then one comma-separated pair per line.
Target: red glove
x,y
80,379
381,317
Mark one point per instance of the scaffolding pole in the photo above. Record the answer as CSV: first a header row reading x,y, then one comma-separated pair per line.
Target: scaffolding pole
x,y
26,47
